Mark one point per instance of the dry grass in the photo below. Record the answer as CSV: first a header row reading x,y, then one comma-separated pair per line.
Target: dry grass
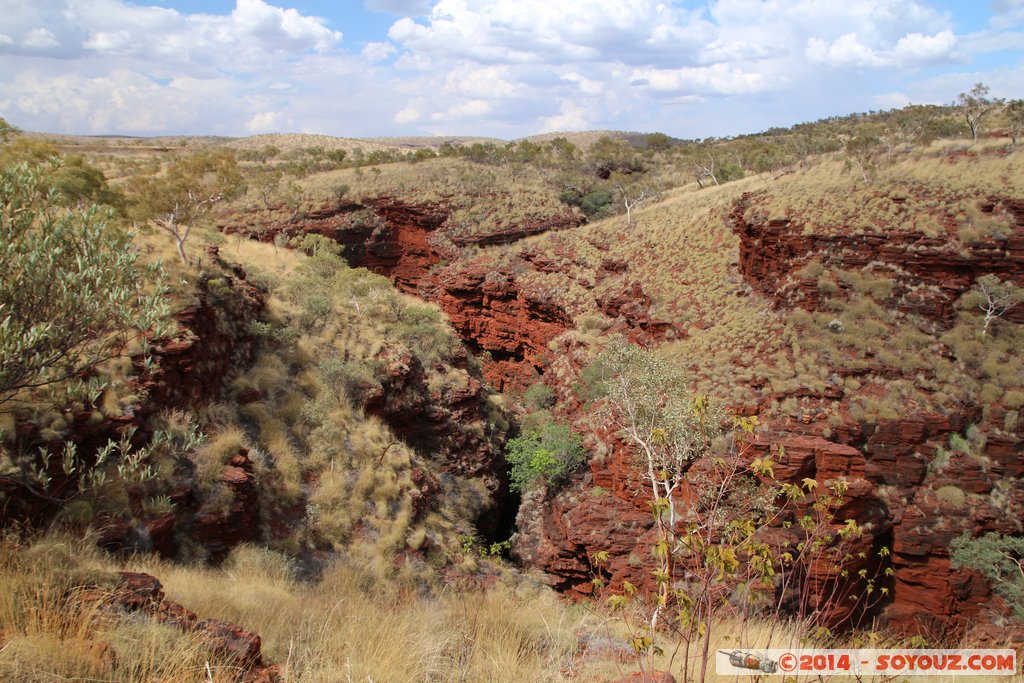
x,y
47,636
922,192
684,255
583,139
347,626
312,445
481,199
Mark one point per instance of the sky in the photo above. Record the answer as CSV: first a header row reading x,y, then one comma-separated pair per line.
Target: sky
x,y
501,68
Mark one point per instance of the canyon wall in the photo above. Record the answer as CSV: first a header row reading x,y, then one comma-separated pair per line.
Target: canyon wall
x,y
892,493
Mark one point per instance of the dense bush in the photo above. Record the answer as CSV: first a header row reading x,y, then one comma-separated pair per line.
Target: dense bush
x,y
543,455
73,292
999,558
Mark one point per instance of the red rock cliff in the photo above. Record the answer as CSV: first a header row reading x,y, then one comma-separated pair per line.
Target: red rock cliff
x,y
773,250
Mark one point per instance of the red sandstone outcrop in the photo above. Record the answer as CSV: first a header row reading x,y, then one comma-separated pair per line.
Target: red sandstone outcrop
x,y
631,307
607,511
886,463
218,527
449,425
927,596
185,371
492,312
399,239
213,342
233,645
773,250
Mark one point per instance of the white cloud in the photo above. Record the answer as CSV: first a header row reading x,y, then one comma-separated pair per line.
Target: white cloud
x,y
544,51
265,122
283,29
586,85
913,49
469,80
891,100
407,115
541,31
845,51
243,37
489,67
469,109
378,52
40,39
993,41
719,79
916,49
1008,14
119,101
570,116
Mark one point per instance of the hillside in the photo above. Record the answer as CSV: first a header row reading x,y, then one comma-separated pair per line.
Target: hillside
x,y
322,440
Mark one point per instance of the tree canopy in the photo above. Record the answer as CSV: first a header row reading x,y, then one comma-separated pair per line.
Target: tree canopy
x,y
73,292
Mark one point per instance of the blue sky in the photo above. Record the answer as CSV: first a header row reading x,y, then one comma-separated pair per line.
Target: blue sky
x,y
504,68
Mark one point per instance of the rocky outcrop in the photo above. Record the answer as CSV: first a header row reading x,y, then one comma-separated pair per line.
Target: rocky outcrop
x,y
407,242
213,342
905,527
630,307
185,371
230,644
529,226
213,526
449,424
931,272
220,526
923,508
606,510
494,313
392,237
396,243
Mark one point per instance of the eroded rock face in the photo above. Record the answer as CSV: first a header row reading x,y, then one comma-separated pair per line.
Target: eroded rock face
x,y
906,527
191,369
631,307
927,596
186,371
407,243
397,245
449,424
606,510
218,527
773,250
492,312
891,490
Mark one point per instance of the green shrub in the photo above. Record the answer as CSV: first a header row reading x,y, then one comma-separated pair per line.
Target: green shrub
x,y
423,329
539,396
593,203
355,379
998,557
73,291
543,456
1013,399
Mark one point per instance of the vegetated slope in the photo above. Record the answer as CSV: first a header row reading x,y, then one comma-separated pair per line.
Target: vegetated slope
x,y
354,427
408,220
847,313
842,310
